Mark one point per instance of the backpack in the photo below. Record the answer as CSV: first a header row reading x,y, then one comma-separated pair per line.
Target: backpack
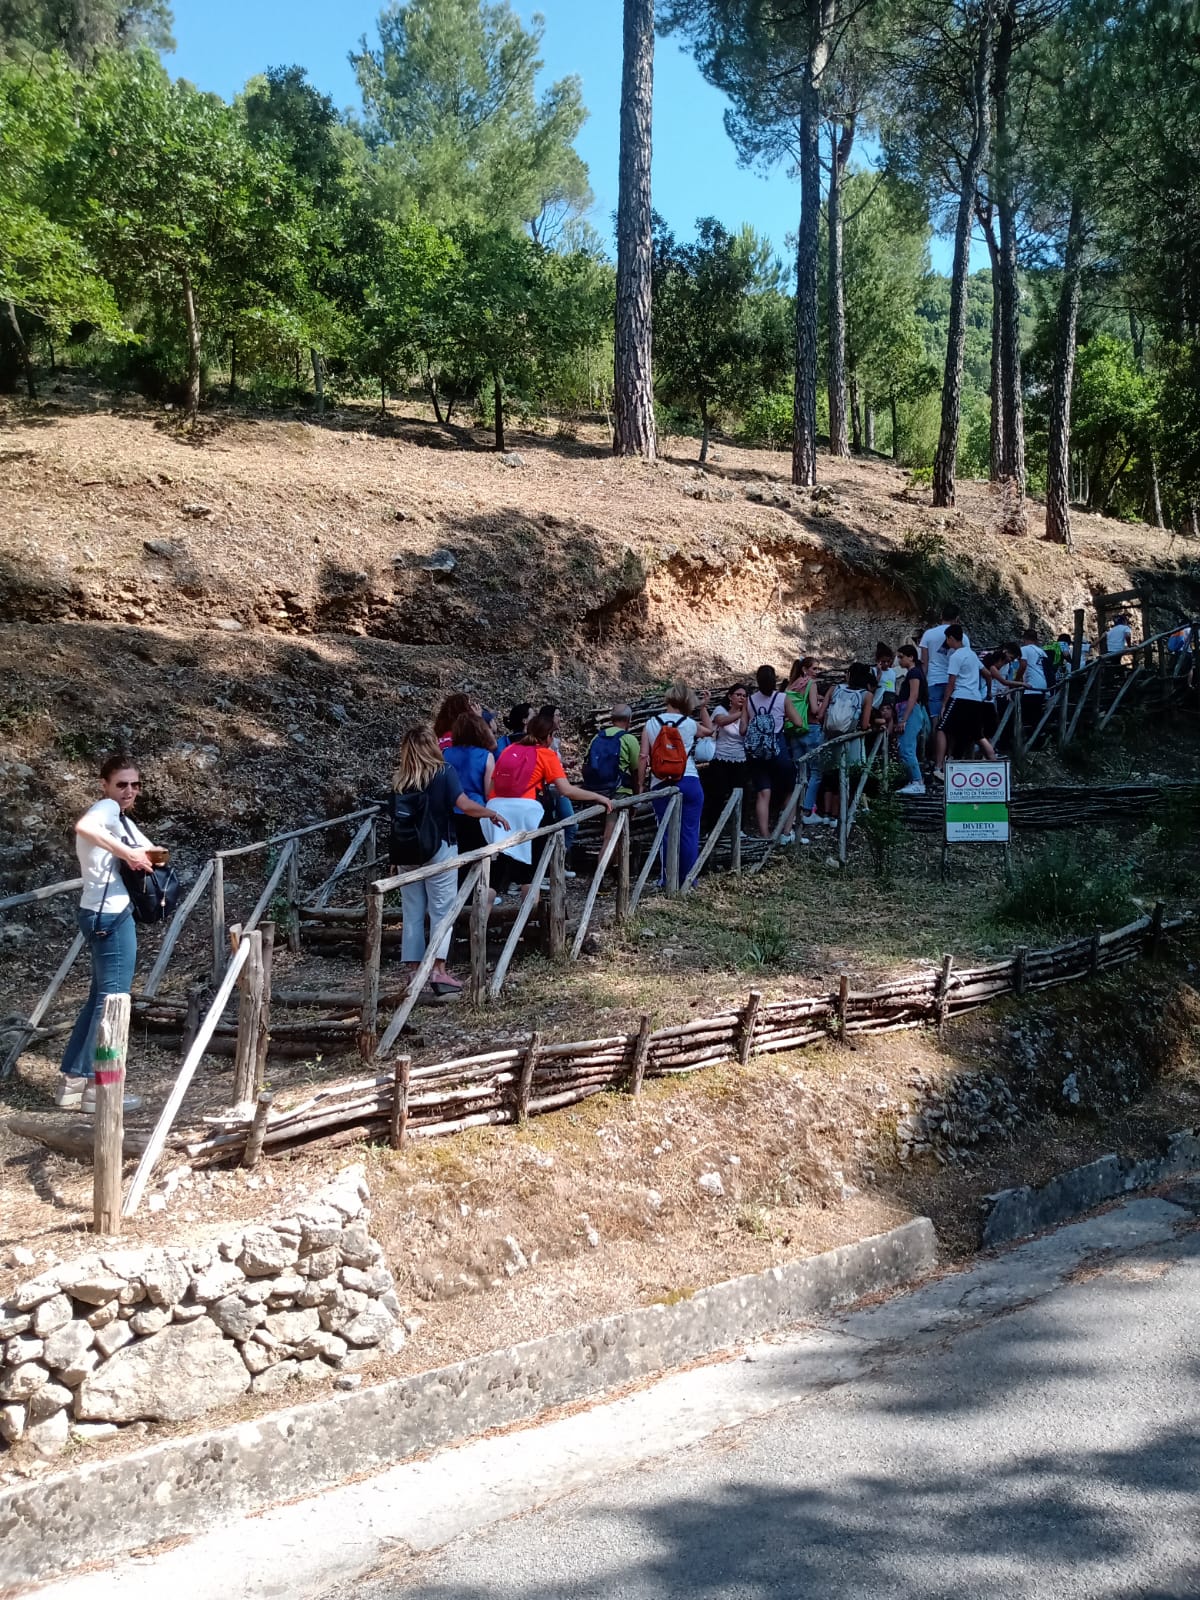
x,y
415,835
762,741
602,769
845,711
668,753
513,773
152,895
800,701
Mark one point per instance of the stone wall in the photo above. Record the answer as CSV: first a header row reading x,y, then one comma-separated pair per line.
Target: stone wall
x,y
124,1336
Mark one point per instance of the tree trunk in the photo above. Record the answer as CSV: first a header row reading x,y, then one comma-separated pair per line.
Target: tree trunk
x,y
820,16
21,346
192,386
1010,291
633,380
895,429
945,461
703,433
1156,492
498,403
839,155
382,393
869,428
232,365
318,367
1058,459
996,392
855,414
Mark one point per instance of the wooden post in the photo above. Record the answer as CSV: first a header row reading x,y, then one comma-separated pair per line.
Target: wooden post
x,y
624,867
372,945
746,1029
1020,961
480,906
293,896
1077,642
250,992
258,1129
195,1006
218,919
557,931
112,1041
735,840
641,1049
842,798
1095,954
674,834
1064,711
942,1002
1156,931
843,1002
1018,730
525,1082
400,1101
264,1010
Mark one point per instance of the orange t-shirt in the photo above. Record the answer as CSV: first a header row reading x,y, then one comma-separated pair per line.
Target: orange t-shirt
x,y
547,768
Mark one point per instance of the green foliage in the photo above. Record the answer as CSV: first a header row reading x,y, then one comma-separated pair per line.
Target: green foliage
x,y
922,567
82,29
881,823
768,941
767,420
1071,883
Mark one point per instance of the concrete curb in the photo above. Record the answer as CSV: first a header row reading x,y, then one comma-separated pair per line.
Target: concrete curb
x,y
182,1487
1017,1213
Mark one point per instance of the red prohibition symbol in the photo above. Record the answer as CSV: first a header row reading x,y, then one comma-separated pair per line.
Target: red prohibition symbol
x,y
977,782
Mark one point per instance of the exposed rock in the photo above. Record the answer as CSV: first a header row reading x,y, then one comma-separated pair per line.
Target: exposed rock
x,y
51,1397
65,1347
711,1183
257,1357
235,1318
276,1377
286,1286
12,1325
293,1327
159,547
264,1251
77,1370
166,1279
369,1327
218,1280
183,1371
322,1263
92,1432
35,1292
103,1315
12,1423
113,1338
19,1383
326,1346
152,1320
358,1249
22,1349
440,561
49,1438
52,1315
513,458
187,1313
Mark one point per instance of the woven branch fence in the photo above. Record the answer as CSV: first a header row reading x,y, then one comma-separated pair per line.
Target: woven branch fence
x,y
509,1085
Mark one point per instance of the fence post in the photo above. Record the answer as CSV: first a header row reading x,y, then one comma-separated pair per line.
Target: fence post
x,y
293,896
400,1082
674,832
1156,931
1095,952
373,943
557,930
843,1002
250,994
264,1011
1018,736
258,1129
1020,961
1077,642
195,1006
525,1082
842,831
112,1041
480,907
1064,711
735,842
746,1026
218,920
641,1049
624,865
942,1001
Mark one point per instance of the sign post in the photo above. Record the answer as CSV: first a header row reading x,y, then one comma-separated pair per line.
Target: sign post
x,y
977,797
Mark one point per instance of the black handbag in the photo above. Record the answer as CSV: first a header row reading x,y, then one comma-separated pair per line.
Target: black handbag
x,y
153,895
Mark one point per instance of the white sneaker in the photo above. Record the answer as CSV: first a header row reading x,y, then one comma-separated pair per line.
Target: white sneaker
x,y
810,819
69,1092
912,788
829,822
87,1104
787,838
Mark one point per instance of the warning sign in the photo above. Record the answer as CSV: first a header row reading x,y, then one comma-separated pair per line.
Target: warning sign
x,y
977,795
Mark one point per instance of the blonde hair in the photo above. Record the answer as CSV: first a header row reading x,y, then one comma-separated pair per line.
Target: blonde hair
x,y
418,758
679,696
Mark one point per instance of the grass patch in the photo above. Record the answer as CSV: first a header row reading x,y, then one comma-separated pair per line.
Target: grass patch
x,y
1069,885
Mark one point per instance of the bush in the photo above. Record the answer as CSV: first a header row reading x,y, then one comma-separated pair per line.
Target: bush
x,y
768,421
1068,885
882,824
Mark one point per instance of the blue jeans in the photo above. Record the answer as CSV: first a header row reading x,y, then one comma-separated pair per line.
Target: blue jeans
x,y
937,699
812,740
113,949
915,724
689,824
431,896
562,810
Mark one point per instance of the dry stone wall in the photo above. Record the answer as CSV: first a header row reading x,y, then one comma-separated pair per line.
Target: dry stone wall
x,y
124,1336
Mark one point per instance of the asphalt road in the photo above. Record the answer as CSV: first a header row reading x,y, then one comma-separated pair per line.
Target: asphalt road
x,y
1050,1450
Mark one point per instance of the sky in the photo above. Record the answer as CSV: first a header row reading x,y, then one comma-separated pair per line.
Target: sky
x,y
221,43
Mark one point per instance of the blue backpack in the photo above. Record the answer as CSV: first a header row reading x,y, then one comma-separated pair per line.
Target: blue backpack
x,y
602,769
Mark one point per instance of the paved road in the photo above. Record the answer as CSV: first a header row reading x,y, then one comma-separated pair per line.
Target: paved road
x,y
1026,1428
1051,1451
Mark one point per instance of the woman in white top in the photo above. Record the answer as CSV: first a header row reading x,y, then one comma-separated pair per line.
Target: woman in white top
x,y
105,837
689,728
727,769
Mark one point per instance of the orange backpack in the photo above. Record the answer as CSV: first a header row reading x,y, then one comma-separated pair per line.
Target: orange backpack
x,y
668,753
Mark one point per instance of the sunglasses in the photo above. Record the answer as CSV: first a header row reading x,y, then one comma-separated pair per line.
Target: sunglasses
x,y
125,785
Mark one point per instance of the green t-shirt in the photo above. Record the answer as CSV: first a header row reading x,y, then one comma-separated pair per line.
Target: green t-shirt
x,y
631,750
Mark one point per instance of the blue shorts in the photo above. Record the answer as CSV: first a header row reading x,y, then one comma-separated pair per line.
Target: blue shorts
x,y
937,698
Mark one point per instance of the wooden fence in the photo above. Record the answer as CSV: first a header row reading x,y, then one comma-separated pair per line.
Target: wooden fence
x,y
519,1081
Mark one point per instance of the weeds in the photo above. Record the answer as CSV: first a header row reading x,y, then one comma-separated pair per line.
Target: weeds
x,y
769,940
882,824
1070,885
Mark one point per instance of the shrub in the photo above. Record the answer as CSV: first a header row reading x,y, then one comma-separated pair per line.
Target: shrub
x,y
1070,885
768,421
882,824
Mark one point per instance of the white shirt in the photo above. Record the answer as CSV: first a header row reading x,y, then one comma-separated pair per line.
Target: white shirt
x,y
967,671
98,867
521,815
688,729
1034,658
731,741
1118,637
934,640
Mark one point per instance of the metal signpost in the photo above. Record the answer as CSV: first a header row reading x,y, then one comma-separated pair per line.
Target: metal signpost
x,y
977,796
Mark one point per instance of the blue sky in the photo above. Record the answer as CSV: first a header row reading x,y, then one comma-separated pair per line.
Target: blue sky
x,y
221,43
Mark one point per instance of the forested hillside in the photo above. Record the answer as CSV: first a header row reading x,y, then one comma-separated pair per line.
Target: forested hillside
x,y
276,252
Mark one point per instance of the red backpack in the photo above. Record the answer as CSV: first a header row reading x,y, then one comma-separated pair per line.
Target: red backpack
x,y
668,753
513,775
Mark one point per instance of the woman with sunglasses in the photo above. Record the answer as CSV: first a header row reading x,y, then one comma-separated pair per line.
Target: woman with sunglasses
x,y
105,837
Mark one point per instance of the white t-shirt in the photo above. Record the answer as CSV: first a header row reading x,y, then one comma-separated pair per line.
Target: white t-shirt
x,y
967,671
887,677
99,867
934,640
731,741
1118,637
521,815
688,729
1034,658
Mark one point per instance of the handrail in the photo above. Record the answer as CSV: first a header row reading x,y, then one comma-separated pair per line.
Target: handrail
x,y
47,892
296,833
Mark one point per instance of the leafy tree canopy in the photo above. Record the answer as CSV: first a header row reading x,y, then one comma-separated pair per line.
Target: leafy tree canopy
x,y
83,29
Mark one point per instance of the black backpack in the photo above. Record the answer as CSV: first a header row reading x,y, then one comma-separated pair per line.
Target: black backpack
x,y
415,835
152,895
